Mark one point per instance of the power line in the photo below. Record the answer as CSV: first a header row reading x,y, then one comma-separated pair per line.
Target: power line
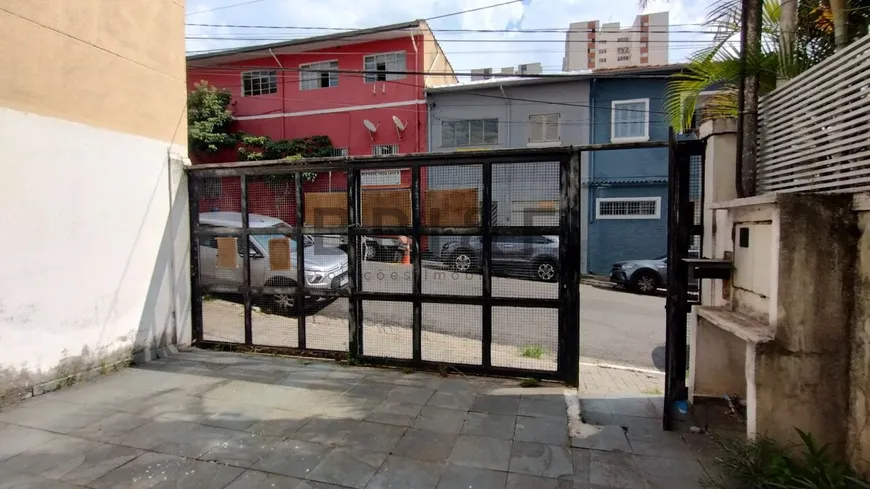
x,y
473,10
235,69
542,30
224,7
442,41
500,97
539,29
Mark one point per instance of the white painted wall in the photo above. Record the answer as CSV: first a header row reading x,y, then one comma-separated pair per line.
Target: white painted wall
x,y
95,258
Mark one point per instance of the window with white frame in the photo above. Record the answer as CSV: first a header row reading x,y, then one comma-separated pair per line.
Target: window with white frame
x,y
629,120
543,128
339,151
472,132
385,149
259,82
377,67
318,75
628,208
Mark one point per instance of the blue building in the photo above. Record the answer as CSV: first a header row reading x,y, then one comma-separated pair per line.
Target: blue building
x,y
626,190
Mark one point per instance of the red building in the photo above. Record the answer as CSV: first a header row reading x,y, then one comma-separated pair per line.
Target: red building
x,y
335,85
369,74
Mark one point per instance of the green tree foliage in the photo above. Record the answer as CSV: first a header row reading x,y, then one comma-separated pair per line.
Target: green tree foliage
x,y
208,119
255,148
719,66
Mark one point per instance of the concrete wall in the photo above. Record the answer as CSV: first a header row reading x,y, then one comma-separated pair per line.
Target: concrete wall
x,y
95,209
858,447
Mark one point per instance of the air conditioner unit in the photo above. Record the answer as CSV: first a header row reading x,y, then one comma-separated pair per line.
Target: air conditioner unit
x,y
481,74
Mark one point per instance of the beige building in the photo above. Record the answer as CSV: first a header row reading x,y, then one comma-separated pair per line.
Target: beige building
x,y
92,144
591,45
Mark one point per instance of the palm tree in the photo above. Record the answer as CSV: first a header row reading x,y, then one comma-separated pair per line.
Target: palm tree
x,y
792,41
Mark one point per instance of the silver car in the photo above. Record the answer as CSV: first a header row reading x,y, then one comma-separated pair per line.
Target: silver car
x,y
325,266
646,276
534,256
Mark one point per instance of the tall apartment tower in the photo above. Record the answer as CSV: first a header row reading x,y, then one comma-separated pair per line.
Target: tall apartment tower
x,y
592,45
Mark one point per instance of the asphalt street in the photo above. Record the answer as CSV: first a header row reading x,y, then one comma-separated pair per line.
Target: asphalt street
x,y
616,327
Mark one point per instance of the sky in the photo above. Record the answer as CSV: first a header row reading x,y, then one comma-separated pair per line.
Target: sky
x,y
465,50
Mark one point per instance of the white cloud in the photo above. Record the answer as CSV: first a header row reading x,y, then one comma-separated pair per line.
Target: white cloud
x,y
466,50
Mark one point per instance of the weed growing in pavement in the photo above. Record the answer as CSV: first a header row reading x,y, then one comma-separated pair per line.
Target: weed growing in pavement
x,y
532,351
529,382
766,464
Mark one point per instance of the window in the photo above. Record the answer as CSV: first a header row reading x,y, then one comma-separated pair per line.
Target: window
x,y
377,66
339,151
629,120
469,132
628,208
622,39
623,58
385,149
602,51
603,41
261,82
544,127
623,50
602,60
318,75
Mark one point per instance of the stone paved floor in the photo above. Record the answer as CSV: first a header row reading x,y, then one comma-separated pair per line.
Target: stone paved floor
x,y
211,420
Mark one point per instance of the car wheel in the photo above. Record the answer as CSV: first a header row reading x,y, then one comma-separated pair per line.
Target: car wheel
x,y
546,271
370,251
463,261
282,303
645,282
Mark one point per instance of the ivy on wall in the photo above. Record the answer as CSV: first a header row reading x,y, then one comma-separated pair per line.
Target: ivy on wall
x,y
209,130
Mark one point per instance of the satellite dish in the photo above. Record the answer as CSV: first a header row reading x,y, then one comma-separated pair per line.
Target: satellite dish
x,y
400,126
370,126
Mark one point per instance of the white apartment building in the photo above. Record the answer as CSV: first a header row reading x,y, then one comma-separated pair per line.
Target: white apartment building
x,y
591,45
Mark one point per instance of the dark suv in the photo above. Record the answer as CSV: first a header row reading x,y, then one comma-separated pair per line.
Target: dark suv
x,y
528,256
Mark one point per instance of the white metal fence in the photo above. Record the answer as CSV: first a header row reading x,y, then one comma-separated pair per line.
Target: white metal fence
x,y
815,130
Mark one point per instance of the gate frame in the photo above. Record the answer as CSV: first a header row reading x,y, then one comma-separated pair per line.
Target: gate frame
x,y
567,302
678,304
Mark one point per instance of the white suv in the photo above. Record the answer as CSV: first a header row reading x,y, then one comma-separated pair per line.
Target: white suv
x,y
325,266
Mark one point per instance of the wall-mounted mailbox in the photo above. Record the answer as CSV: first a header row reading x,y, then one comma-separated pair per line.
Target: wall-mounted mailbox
x,y
709,268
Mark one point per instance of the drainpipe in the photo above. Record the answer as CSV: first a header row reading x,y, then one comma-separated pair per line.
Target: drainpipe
x,y
588,190
283,94
421,87
509,118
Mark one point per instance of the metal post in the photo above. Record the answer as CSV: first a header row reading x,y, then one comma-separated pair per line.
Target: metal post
x,y
193,184
486,242
416,264
300,262
246,260
679,222
354,321
569,269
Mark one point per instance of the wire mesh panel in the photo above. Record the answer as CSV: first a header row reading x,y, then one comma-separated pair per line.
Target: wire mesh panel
x,y
395,258
525,338
386,329
326,324
223,318
452,334
526,265
454,268
273,321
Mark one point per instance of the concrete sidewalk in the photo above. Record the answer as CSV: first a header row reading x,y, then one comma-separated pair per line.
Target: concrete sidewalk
x,y
205,419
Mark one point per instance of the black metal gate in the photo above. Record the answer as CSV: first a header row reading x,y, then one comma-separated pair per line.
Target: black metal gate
x,y
479,292
685,234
